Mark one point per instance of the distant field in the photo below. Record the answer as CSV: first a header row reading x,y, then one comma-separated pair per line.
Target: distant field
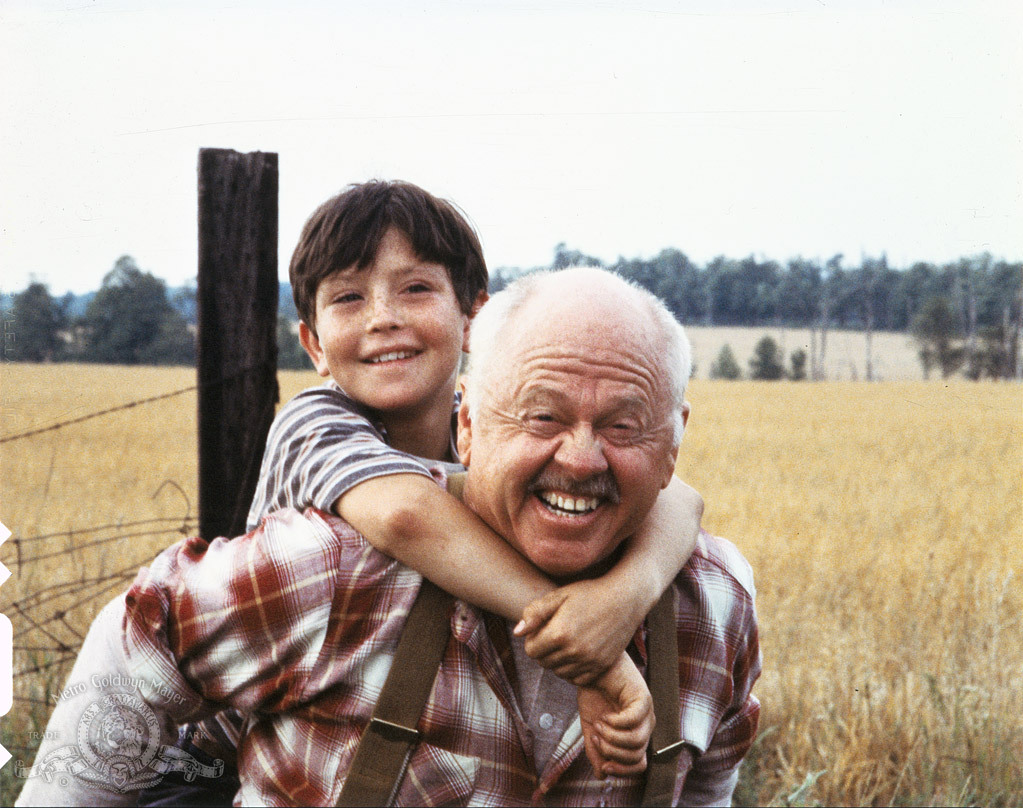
x,y
894,354
883,522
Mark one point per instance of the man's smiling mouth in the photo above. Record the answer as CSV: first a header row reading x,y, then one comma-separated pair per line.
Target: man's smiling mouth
x,y
567,506
391,357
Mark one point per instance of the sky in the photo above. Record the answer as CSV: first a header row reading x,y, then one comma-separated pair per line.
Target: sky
x,y
777,128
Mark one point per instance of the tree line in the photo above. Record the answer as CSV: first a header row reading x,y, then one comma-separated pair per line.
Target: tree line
x,y
965,315
133,319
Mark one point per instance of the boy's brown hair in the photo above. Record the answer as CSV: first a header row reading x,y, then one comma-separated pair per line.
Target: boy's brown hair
x,y
346,231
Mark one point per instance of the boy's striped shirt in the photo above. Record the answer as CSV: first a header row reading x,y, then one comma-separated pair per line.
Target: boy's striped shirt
x,y
321,444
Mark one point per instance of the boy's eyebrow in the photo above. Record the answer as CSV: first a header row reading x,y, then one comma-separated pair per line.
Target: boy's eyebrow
x,y
423,265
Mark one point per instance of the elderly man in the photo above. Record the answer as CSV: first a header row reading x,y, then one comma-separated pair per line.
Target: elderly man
x,y
570,426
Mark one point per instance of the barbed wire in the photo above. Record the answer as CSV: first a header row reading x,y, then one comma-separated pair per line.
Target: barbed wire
x,y
94,543
97,528
30,433
121,407
46,641
74,587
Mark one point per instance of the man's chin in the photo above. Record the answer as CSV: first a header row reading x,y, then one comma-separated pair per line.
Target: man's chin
x,y
565,546
562,562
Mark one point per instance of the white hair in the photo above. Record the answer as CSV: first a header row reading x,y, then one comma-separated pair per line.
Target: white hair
x,y
674,361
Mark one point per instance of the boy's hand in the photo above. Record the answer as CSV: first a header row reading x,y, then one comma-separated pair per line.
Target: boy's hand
x,y
617,716
579,630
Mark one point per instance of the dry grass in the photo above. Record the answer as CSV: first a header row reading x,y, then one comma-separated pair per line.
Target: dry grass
x,y
884,525
883,522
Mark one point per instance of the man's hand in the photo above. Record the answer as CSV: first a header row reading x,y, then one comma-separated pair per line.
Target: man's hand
x,y
617,715
579,630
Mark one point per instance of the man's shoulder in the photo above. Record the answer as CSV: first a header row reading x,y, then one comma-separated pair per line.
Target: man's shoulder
x,y
720,558
291,534
293,528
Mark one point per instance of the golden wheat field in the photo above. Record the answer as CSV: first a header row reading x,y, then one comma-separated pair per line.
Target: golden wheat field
x,y
883,522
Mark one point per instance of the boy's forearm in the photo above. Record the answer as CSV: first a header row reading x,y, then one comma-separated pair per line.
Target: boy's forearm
x,y
662,545
410,518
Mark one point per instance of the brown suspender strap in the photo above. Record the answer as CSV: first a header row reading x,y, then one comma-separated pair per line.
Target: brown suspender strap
x,y
391,733
662,661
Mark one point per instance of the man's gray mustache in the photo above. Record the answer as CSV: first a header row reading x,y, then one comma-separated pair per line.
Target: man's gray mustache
x,y
602,486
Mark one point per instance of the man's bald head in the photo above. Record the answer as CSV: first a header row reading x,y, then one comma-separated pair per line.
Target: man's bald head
x,y
588,296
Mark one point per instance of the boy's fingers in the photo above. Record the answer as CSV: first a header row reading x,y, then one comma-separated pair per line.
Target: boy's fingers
x,y
544,649
581,679
576,673
632,716
635,739
538,612
597,761
623,756
622,770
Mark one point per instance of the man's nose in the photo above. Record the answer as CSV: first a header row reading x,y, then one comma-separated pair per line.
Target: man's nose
x,y
581,453
382,314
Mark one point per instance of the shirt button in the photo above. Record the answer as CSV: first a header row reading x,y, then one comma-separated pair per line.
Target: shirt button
x,y
546,720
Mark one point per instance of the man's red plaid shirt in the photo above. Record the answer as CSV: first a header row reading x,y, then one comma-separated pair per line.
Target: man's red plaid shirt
x,y
295,625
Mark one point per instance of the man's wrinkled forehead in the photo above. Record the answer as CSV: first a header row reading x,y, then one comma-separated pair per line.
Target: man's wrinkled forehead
x,y
553,345
552,375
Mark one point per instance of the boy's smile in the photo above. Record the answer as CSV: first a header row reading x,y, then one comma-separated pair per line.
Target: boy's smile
x,y
391,335
393,356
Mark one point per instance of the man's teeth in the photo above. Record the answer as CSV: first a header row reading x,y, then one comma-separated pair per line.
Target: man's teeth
x,y
569,504
390,357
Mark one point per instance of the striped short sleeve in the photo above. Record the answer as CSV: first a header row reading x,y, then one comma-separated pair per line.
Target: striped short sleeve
x,y
320,445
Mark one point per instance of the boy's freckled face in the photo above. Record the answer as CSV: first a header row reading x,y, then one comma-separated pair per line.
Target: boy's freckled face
x,y
391,335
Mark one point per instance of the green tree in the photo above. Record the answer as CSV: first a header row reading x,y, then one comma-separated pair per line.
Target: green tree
x,y
129,313
37,322
798,362
766,364
173,343
290,353
936,328
564,257
725,366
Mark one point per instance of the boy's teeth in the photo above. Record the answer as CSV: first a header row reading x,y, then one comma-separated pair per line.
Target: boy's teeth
x,y
390,357
578,505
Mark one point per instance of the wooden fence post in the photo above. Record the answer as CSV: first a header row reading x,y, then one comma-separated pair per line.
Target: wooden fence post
x,y
236,353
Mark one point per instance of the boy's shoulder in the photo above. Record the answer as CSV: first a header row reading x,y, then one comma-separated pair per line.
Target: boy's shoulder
x,y
330,394
329,391
323,400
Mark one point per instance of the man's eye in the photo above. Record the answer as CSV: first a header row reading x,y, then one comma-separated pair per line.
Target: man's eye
x,y
347,297
418,287
622,430
542,422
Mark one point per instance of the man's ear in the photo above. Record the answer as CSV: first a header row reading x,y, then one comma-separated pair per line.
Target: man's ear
x,y
463,440
481,298
312,346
